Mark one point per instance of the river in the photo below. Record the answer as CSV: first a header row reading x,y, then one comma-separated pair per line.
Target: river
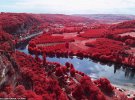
x,y
119,76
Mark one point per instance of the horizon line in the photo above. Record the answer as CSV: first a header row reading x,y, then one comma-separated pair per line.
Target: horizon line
x,y
71,14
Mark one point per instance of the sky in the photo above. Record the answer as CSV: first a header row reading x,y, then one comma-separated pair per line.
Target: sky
x,y
69,6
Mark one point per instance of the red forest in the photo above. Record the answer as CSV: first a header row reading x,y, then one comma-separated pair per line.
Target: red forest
x,y
34,78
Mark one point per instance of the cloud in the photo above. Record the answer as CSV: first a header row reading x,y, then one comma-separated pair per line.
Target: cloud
x,y
67,6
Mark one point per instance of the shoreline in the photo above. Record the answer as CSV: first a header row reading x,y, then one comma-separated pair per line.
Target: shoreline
x,y
130,93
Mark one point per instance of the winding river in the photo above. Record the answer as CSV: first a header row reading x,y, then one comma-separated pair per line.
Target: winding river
x,y
119,76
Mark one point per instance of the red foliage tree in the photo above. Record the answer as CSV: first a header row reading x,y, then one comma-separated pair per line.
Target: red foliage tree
x,y
67,45
72,72
104,85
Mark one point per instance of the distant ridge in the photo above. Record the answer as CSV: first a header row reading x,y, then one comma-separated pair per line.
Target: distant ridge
x,y
108,18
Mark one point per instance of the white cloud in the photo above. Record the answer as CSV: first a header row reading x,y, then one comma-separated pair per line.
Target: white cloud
x,y
67,6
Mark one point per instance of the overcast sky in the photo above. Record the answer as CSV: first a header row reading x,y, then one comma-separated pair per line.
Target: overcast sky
x,y
69,6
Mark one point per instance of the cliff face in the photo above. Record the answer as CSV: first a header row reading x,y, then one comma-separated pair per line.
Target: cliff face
x,y
16,23
7,71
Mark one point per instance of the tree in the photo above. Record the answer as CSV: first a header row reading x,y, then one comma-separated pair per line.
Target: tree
x,y
44,58
67,45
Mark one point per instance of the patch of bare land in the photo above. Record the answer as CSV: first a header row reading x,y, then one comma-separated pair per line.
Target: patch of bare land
x,y
132,34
